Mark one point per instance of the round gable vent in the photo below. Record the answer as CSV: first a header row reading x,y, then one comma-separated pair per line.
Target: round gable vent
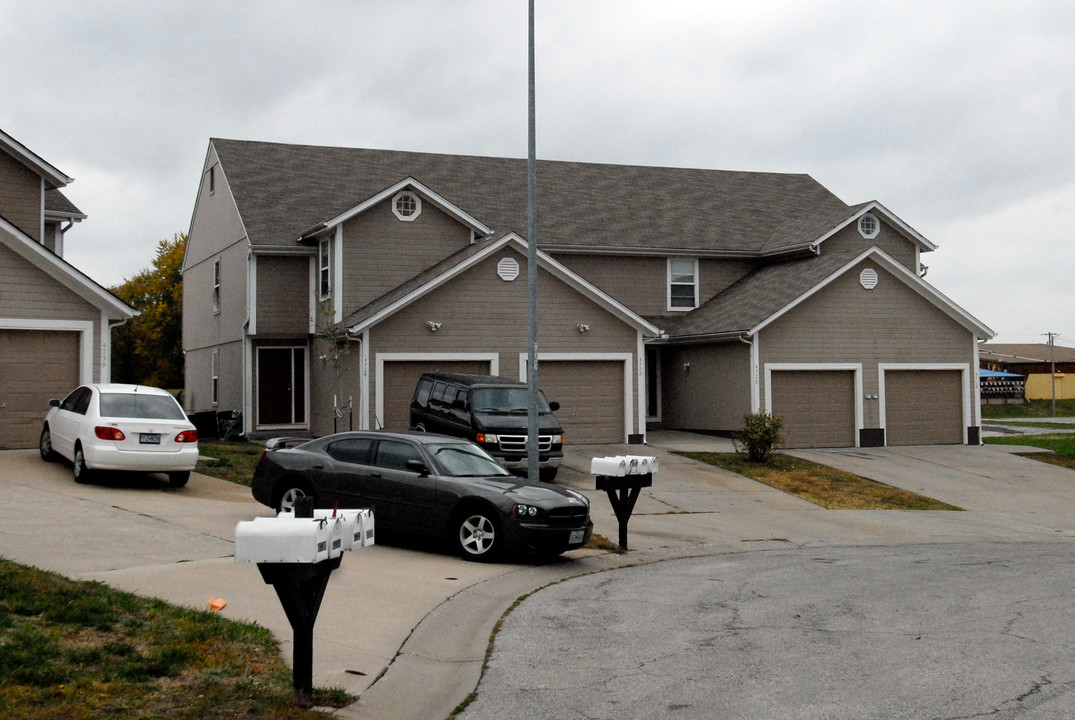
x,y
508,269
868,278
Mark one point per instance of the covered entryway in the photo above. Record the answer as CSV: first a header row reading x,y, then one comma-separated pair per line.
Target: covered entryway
x,y
35,366
924,407
591,396
817,407
401,376
281,386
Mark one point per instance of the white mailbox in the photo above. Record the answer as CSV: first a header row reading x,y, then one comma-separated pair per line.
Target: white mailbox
x,y
623,465
356,526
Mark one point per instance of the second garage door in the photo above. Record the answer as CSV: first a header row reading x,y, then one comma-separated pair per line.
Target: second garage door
x,y
591,397
817,407
35,366
400,377
924,407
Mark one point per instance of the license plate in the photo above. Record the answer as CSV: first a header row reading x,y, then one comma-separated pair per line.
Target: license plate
x,y
576,536
149,438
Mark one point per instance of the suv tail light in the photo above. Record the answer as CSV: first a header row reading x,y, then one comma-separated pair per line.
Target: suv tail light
x,y
187,436
103,432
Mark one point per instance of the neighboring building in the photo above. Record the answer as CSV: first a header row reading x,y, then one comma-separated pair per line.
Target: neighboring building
x,y
55,322
1036,362
319,283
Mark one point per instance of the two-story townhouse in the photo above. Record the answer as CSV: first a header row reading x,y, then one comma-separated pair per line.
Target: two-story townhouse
x,y
55,322
321,281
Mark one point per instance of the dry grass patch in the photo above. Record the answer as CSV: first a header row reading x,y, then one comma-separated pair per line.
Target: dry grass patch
x,y
822,485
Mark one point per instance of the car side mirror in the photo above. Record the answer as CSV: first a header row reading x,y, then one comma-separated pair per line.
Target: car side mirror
x,y
554,406
54,403
418,466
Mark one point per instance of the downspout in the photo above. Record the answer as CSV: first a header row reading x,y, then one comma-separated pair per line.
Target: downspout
x,y
755,373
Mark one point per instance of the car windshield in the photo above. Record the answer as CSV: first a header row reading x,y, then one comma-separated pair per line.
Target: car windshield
x,y
140,405
465,460
505,400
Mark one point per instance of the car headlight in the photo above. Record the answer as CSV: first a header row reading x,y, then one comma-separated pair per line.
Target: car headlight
x,y
524,511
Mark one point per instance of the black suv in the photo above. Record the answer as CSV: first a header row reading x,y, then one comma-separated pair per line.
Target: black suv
x,y
491,411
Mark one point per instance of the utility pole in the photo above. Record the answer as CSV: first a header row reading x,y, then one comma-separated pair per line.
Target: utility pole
x,y
532,459
1052,361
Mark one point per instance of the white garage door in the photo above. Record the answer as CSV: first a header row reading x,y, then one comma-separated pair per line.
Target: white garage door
x,y
590,393
817,407
924,407
35,366
400,377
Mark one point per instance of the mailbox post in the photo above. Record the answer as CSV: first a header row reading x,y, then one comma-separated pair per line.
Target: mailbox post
x,y
296,554
622,477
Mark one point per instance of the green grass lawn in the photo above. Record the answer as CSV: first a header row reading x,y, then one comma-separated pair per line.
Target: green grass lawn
x,y
822,485
1062,445
232,460
81,650
1031,409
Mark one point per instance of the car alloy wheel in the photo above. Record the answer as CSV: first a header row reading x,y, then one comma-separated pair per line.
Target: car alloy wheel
x,y
477,536
289,497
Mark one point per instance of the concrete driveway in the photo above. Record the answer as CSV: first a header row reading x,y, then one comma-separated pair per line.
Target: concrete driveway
x,y
407,629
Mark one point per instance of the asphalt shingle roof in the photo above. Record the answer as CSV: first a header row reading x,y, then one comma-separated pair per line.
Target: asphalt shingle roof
x,y
282,190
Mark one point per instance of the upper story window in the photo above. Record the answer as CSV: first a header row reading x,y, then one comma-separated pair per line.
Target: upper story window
x,y
324,267
216,286
407,206
682,283
212,180
869,227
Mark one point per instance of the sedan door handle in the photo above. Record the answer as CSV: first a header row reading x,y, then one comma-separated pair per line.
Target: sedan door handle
x,y
319,467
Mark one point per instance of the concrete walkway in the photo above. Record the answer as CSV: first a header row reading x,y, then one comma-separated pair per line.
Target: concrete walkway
x,y
407,629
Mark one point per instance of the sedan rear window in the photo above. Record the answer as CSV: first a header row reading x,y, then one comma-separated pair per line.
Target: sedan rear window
x,y
133,405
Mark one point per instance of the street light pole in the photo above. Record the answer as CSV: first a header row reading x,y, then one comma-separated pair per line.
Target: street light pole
x,y
532,275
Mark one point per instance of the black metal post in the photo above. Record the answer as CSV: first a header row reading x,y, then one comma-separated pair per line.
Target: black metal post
x,y
623,492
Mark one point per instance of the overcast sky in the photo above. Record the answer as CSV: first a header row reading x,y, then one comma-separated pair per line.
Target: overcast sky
x,y
959,117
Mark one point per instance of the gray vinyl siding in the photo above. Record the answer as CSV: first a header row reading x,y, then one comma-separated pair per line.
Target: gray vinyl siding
x,y
21,196
845,323
215,224
381,252
713,395
888,239
641,283
283,296
199,378
480,312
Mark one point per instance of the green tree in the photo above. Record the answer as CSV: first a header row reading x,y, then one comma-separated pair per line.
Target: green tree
x,y
148,349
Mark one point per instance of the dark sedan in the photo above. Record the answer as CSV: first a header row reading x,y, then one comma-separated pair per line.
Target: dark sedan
x,y
426,484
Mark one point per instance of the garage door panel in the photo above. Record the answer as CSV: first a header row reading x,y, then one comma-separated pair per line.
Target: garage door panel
x,y
35,366
400,378
924,407
817,407
591,397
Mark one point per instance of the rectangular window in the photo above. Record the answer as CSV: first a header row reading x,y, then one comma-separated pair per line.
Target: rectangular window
x,y
682,283
324,266
212,180
216,376
216,286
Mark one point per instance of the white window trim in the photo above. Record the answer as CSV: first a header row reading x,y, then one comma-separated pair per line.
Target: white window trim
x,y
215,377
305,380
668,284
876,226
216,285
417,206
325,278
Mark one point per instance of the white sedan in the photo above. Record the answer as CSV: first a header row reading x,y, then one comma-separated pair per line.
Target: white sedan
x,y
121,427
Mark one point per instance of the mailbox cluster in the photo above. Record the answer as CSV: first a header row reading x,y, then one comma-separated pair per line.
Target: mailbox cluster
x,y
622,477
295,554
622,465
289,539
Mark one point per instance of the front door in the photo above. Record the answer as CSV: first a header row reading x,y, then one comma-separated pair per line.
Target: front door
x,y
281,386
